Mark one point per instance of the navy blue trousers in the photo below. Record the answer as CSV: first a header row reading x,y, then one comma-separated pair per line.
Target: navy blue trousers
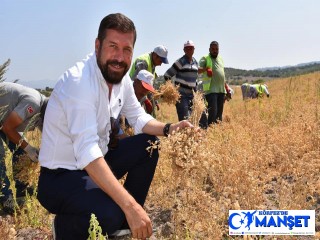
x,y
73,196
184,105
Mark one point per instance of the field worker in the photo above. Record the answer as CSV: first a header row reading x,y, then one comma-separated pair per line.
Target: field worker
x,y
143,84
260,90
81,160
212,69
246,91
22,109
149,61
185,70
254,90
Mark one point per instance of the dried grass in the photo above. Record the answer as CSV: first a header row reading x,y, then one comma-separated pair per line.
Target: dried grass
x,y
168,93
266,156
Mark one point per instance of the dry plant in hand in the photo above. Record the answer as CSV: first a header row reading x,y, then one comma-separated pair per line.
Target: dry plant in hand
x,y
198,107
168,93
183,147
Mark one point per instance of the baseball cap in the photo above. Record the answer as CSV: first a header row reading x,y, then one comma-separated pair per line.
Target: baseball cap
x,y
162,52
188,43
146,79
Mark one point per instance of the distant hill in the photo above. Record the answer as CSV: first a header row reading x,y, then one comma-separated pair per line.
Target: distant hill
x,y
283,67
39,84
238,76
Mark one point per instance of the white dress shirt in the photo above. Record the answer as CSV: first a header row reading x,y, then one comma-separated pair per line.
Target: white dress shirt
x,y
77,120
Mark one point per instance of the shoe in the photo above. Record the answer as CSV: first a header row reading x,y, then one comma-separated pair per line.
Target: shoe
x,y
120,233
54,236
8,204
125,232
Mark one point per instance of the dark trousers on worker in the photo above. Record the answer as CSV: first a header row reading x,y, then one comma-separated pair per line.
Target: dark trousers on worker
x,y
73,196
4,181
215,107
184,105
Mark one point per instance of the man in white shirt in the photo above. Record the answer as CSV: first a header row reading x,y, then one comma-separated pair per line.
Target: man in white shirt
x,y
81,160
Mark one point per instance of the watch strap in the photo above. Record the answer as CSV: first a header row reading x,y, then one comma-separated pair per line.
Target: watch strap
x,y
166,129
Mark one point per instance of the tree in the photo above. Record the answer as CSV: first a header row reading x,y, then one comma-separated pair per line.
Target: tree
x,y
3,70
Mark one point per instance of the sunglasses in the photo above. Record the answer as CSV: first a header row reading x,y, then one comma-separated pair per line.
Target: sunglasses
x,y
113,137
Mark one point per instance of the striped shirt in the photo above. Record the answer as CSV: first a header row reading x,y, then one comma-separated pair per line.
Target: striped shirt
x,y
185,72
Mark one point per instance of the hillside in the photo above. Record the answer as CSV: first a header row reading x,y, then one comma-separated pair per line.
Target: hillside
x,y
238,76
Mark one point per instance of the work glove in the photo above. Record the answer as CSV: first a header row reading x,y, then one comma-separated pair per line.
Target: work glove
x,y
148,105
228,95
32,153
209,72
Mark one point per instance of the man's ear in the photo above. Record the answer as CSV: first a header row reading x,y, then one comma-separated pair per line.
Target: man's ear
x,y
97,45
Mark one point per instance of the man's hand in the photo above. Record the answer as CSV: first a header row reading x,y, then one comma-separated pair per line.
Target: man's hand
x,y
139,222
180,125
228,96
32,153
209,72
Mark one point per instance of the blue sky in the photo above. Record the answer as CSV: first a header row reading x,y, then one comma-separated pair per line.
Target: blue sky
x,y
44,38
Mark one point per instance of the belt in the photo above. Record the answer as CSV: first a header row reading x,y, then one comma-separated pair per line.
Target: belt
x,y
55,171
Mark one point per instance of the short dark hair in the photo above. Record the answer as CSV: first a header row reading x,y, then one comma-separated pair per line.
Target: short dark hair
x,y
214,43
116,21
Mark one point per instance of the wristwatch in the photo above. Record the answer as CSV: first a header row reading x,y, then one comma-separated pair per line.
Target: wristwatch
x,y
166,129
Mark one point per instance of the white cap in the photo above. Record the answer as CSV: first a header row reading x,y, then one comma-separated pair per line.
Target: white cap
x,y
188,43
146,79
162,52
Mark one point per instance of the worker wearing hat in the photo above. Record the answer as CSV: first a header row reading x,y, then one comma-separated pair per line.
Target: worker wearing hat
x,y
143,85
149,61
185,70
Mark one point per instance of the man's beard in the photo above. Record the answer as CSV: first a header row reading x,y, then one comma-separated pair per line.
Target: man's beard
x,y
215,55
110,76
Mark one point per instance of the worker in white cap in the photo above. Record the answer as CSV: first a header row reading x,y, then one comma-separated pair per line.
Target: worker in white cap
x,y
143,84
185,70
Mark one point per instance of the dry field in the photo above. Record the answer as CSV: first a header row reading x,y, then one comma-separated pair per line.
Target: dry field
x,y
264,155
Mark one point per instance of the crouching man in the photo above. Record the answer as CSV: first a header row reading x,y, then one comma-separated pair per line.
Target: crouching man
x,y
81,158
